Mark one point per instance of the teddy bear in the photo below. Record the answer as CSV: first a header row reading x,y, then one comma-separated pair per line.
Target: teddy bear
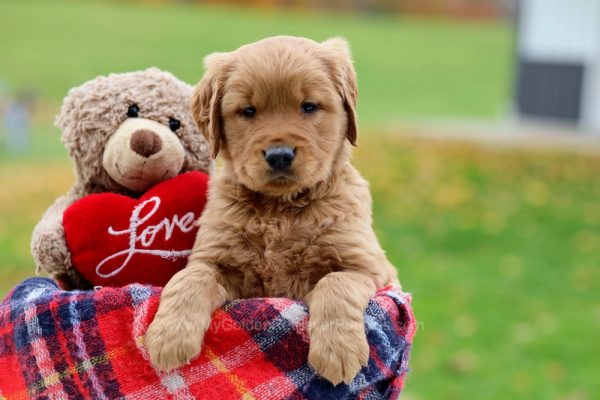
x,y
125,133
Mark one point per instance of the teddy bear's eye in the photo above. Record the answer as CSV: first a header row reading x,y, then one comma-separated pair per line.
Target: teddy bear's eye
x,y
133,111
174,124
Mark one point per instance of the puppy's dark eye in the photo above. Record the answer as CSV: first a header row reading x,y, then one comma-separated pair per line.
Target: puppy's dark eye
x,y
308,108
133,111
249,112
174,124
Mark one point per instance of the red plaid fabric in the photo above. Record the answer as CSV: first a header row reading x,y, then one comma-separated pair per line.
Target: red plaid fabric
x,y
89,345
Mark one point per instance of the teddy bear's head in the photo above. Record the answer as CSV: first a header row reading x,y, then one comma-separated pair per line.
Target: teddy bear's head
x,y
126,132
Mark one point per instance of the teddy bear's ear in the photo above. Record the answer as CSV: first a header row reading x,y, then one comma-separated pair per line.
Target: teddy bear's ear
x,y
339,61
206,100
68,111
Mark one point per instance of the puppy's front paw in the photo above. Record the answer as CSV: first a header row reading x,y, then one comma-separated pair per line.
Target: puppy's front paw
x,y
173,342
338,350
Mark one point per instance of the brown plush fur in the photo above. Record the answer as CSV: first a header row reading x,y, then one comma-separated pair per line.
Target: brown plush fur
x,y
306,236
92,116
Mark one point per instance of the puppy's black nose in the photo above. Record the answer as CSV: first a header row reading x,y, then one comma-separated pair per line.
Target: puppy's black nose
x,y
280,158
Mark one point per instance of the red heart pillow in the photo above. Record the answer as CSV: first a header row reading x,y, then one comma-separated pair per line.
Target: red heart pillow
x,y
116,240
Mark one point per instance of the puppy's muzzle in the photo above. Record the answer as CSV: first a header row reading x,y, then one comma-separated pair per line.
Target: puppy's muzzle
x,y
280,158
145,142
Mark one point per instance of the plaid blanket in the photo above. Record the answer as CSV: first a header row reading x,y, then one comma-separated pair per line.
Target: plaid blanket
x,y
89,345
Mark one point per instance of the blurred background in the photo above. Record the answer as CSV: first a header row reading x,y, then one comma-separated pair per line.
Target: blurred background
x,y
480,124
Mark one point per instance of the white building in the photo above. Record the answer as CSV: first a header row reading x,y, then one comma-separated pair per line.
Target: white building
x,y
558,77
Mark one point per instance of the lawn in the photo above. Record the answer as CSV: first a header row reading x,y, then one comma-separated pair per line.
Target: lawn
x,y
499,248
501,252
406,67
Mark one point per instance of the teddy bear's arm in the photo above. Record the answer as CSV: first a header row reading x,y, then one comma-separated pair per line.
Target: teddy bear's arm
x,y
49,246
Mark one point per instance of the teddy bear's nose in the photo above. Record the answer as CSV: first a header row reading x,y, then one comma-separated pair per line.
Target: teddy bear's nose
x,y
145,142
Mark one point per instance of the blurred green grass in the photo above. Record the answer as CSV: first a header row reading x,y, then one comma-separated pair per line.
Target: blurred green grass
x,y
501,252
499,248
406,67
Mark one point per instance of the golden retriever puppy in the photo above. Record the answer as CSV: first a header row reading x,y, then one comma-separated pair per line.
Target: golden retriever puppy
x,y
287,215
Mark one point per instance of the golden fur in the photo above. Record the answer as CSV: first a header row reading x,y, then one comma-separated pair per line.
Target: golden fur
x,y
306,236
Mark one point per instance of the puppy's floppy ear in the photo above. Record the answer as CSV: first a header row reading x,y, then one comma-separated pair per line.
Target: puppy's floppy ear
x,y
339,61
206,100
